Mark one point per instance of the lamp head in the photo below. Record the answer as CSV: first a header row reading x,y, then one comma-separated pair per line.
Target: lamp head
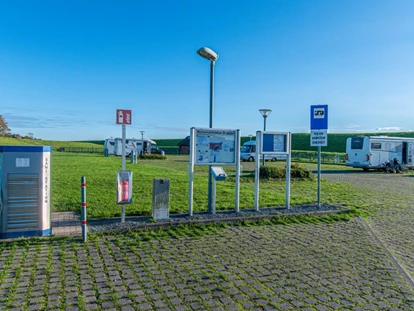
x,y
265,112
207,54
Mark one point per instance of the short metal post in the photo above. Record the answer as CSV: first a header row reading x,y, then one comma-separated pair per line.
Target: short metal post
x,y
83,212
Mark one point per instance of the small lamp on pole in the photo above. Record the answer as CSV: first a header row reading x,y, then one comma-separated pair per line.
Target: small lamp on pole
x,y
265,113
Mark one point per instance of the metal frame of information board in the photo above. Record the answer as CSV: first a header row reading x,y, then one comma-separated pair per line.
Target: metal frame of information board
x,y
227,154
277,145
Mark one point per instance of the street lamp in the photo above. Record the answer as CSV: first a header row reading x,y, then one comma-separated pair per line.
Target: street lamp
x,y
265,113
212,56
142,142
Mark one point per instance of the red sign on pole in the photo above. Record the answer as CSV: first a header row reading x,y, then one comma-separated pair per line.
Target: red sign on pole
x,y
123,116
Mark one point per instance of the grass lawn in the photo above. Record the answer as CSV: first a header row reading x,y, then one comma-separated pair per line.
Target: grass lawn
x,y
100,173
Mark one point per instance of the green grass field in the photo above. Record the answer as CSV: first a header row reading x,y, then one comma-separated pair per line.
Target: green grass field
x,y
100,173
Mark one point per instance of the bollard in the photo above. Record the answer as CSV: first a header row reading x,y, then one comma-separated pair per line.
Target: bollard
x,y
83,216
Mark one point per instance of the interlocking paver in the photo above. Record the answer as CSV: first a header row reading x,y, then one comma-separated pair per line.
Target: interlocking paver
x,y
315,266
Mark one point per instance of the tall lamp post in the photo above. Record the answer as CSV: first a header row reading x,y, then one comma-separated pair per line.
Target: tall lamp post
x,y
212,56
142,142
265,113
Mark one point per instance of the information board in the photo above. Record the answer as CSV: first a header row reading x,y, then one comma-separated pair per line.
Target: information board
x,y
274,143
215,146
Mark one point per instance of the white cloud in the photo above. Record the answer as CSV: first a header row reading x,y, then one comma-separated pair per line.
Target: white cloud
x,y
389,128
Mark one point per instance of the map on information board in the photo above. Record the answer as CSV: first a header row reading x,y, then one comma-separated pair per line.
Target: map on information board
x,y
215,146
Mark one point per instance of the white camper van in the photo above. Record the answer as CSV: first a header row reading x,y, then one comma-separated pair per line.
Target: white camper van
x,y
377,152
248,153
109,146
150,146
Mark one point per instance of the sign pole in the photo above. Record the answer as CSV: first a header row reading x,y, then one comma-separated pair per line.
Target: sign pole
x,y
288,170
257,171
123,146
319,176
123,117
191,171
237,203
319,136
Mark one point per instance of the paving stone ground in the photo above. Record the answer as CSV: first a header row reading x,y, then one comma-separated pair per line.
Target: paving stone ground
x,y
392,218
336,266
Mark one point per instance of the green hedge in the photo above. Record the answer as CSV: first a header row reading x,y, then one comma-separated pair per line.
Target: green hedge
x,y
273,172
152,157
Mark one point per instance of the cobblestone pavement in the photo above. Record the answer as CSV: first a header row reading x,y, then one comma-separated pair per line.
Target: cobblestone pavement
x,y
336,266
319,266
392,218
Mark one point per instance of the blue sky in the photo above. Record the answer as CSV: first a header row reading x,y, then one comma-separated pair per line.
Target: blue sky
x,y
66,66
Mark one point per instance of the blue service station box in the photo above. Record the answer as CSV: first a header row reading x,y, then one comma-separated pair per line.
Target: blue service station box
x,y
25,201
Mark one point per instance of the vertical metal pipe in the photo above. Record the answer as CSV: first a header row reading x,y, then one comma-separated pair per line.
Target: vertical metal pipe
x,y
288,170
123,165
212,63
237,151
83,210
319,176
213,198
123,146
257,171
264,130
191,171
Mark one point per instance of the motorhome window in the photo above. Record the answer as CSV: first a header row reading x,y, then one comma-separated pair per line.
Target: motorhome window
x,y
375,145
247,149
112,143
357,142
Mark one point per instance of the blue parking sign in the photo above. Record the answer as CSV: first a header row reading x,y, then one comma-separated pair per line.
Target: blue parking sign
x,y
319,117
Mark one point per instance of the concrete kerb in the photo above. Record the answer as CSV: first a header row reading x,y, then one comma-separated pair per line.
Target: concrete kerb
x,y
131,225
69,223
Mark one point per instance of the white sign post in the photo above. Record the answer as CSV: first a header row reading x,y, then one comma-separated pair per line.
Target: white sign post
x,y
123,117
319,136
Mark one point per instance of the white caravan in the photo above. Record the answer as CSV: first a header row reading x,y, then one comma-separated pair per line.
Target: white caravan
x,y
378,152
248,153
109,146
135,144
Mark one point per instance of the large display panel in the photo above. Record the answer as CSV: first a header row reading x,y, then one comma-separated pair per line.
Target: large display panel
x,y
215,146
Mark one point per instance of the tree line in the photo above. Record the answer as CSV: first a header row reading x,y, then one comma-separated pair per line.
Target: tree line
x,y
5,130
